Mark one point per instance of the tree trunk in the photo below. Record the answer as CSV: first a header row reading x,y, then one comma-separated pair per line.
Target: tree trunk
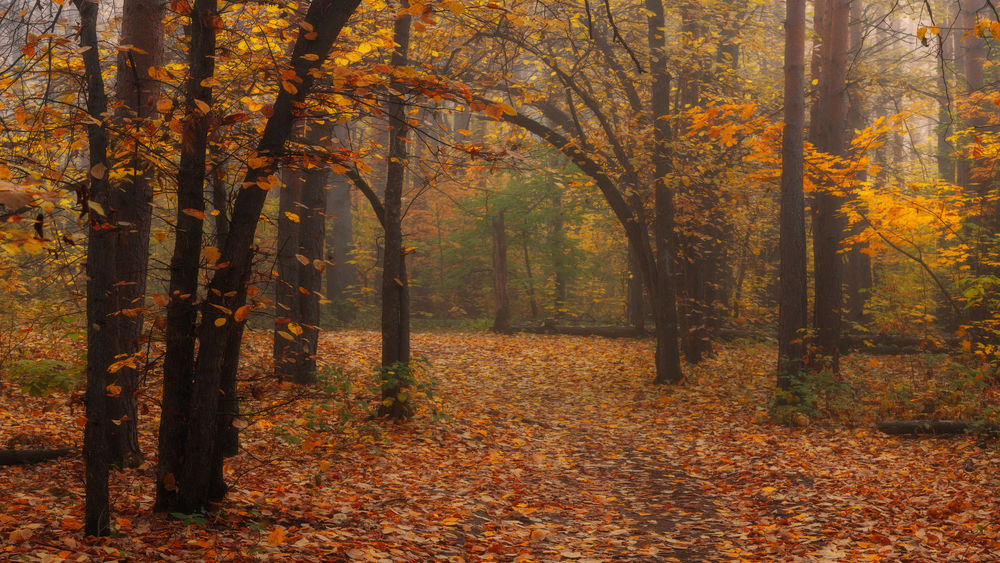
x,y
341,274
827,131
286,286
179,358
395,297
97,450
664,293
792,303
635,305
310,268
131,211
530,277
501,300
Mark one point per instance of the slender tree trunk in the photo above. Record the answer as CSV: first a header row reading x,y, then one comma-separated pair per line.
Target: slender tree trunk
x,y
310,267
97,450
341,273
664,293
395,298
858,268
828,133
286,286
179,358
792,303
501,317
131,211
557,247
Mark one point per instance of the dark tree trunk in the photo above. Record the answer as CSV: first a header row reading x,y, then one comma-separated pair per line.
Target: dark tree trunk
x,y
827,131
635,304
286,286
131,210
179,358
664,292
530,277
395,296
501,300
792,302
97,451
857,264
341,273
310,268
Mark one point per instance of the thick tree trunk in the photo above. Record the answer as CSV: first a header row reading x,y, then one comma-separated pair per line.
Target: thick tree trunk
x,y
792,303
97,450
501,300
827,131
395,297
131,212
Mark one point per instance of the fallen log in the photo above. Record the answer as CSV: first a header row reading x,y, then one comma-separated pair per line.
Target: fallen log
x,y
912,427
22,457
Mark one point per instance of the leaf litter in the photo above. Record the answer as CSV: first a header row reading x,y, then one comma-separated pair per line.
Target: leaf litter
x,y
532,448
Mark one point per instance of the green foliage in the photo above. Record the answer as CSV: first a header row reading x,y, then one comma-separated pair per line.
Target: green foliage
x,y
193,519
820,395
400,384
41,377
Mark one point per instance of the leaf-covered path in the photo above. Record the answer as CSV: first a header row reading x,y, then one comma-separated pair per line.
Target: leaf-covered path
x,y
549,449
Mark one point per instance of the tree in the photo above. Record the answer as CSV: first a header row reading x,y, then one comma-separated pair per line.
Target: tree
x,y
189,476
792,297
828,131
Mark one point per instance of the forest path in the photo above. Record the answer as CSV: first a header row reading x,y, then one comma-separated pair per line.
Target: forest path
x,y
584,450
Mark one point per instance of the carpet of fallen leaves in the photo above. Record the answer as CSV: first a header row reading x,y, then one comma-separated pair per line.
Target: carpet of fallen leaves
x,y
533,448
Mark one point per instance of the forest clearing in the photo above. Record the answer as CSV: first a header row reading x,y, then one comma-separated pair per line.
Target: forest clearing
x,y
543,448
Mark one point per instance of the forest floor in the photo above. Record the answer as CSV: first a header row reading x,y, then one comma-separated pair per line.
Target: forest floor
x,y
537,448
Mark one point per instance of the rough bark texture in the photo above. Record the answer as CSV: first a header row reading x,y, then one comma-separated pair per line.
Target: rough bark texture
x,y
635,305
310,269
100,279
792,304
501,300
131,212
828,133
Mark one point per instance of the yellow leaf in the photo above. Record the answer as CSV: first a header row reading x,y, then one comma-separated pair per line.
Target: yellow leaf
x,y
286,336
241,313
294,218
220,321
164,105
196,213
295,328
202,107
113,390
324,465
96,207
310,57
921,33
364,48
276,536
98,171
211,254
289,87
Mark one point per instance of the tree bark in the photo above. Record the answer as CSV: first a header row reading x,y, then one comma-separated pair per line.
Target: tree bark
x,y
97,450
668,366
857,265
131,212
792,303
310,268
287,284
395,297
827,131
179,357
